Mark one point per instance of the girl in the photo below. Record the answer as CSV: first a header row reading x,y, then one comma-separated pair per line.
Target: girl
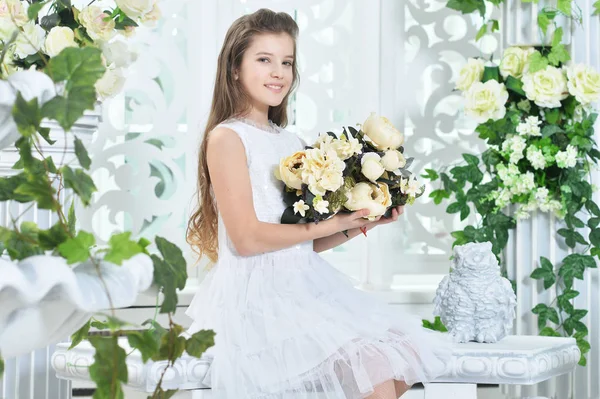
x,y
288,325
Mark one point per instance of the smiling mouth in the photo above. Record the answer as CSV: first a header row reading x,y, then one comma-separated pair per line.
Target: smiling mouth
x,y
274,88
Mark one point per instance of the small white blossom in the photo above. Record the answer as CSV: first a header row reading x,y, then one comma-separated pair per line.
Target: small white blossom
x,y
321,205
536,157
568,158
530,127
301,208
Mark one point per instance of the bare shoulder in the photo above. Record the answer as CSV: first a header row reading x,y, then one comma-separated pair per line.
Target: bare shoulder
x,y
224,140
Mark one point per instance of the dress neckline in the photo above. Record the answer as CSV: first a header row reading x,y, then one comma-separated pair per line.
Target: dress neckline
x,y
271,128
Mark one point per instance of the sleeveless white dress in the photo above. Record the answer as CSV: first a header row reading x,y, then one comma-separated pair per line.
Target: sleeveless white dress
x,y
287,323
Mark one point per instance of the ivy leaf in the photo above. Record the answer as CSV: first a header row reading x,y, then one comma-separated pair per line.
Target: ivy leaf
x,y
431,175
495,25
80,182
537,62
72,219
144,342
574,222
172,344
549,332
170,273
558,55
592,207
572,237
53,237
550,130
26,115
121,248
109,370
595,237
77,249
80,335
564,6
165,394
543,21
438,196
198,343
37,187
515,85
481,32
545,272
467,6
471,159
82,154
596,8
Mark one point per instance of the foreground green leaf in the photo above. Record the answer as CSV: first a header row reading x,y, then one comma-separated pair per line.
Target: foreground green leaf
x,y
170,273
77,249
80,182
80,334
109,370
121,248
199,342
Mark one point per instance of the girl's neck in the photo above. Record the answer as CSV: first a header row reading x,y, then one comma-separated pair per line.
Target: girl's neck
x,y
257,116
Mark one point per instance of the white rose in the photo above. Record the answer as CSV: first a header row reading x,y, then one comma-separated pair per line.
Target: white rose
x,y
374,197
347,148
382,133
149,19
371,166
92,19
13,12
584,83
111,83
393,160
472,72
135,8
546,87
30,41
331,180
290,170
515,61
118,53
484,101
58,39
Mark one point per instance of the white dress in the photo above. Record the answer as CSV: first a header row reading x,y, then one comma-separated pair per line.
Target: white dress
x,y
287,323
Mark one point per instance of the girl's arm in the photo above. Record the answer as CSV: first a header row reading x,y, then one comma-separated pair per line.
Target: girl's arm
x,y
332,241
230,180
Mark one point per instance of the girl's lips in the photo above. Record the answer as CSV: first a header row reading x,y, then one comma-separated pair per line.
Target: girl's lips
x,y
274,89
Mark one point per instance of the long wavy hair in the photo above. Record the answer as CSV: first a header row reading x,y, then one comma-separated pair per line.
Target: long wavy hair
x,y
230,100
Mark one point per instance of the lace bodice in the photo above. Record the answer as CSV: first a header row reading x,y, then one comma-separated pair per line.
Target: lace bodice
x,y
264,150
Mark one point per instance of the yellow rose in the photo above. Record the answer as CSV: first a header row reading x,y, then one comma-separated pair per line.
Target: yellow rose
x,y
472,72
375,197
546,87
382,133
290,170
584,83
485,101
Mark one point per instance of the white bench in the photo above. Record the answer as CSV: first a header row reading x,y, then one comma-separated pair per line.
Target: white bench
x,y
522,360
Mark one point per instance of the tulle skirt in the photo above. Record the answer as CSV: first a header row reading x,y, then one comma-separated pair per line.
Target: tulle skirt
x,y
289,325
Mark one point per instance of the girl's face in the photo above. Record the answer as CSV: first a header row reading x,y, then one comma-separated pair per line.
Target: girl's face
x,y
266,72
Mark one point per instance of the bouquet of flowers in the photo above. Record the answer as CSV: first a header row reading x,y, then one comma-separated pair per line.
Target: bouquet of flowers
x,y
537,117
34,31
363,168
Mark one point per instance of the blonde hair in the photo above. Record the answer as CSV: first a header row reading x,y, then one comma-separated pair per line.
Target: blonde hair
x,y
230,100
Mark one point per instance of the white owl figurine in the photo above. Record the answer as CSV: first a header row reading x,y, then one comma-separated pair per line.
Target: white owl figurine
x,y
474,302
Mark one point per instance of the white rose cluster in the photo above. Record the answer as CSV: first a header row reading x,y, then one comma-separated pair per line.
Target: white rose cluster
x,y
546,87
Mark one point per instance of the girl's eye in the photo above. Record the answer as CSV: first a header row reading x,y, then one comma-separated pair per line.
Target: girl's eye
x,y
288,63
262,59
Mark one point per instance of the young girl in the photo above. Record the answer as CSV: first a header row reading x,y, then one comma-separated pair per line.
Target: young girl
x,y
288,325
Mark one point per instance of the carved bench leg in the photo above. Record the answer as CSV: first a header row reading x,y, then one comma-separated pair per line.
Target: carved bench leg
x,y
450,391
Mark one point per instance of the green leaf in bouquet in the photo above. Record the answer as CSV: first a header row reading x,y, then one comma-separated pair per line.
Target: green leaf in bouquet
x,y
170,272
80,182
52,237
124,21
199,342
552,115
77,249
144,342
583,143
67,110
495,25
289,217
491,73
122,247
50,21
515,85
80,334
82,154
34,9
537,62
569,104
109,369
353,132
550,130
290,196
26,115
431,175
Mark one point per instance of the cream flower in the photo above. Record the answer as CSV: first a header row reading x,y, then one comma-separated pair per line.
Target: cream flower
x,y
392,160
374,197
530,127
536,158
92,19
484,101
111,83
290,170
472,72
584,83
515,61
13,12
320,205
371,166
117,53
568,158
30,41
58,39
301,208
382,133
150,18
347,148
546,87
135,8
411,186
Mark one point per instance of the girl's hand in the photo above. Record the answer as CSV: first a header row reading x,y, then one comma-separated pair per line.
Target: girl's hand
x,y
396,212
354,220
